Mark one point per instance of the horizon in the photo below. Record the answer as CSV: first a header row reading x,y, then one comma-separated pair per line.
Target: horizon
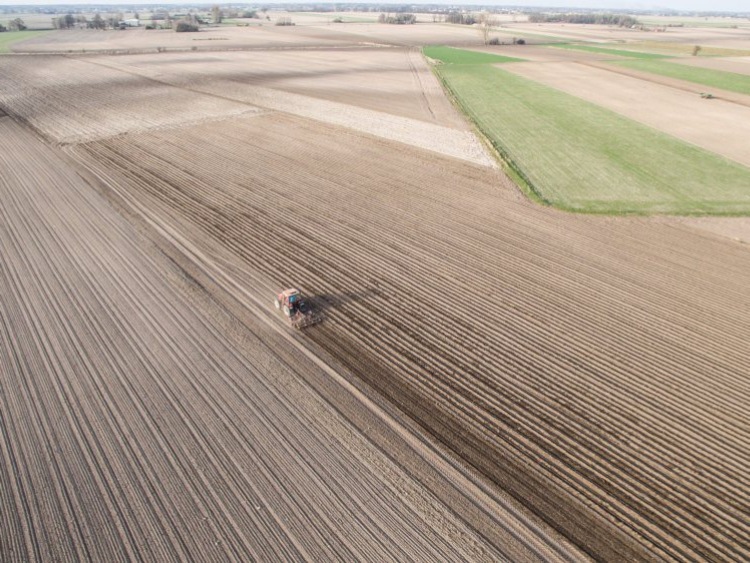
x,y
697,6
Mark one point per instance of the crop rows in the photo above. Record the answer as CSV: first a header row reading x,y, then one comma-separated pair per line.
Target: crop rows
x,y
228,81
580,363
133,427
70,101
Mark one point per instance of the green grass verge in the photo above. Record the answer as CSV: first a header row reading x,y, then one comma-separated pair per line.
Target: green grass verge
x,y
578,156
449,55
731,81
608,51
9,37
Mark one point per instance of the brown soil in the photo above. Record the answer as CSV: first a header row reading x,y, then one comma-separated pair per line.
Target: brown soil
x,y
592,368
739,65
142,419
581,424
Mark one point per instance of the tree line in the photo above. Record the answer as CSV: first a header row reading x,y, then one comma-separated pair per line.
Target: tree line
x,y
398,19
599,19
13,25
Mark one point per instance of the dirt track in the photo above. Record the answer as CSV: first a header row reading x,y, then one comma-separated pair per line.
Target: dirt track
x,y
594,368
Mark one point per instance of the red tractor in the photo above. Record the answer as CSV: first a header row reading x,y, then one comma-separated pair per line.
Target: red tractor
x,y
295,308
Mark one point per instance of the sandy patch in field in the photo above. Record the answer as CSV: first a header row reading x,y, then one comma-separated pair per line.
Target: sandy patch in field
x,y
395,80
715,125
739,65
442,140
228,82
735,228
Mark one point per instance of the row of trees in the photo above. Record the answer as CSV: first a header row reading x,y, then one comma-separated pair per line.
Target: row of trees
x,y
599,19
485,22
398,19
69,21
460,18
13,25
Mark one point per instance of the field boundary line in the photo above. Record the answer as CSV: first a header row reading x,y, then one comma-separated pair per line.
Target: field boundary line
x,y
676,83
507,164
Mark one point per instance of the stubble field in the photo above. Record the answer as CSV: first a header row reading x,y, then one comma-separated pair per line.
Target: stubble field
x,y
592,368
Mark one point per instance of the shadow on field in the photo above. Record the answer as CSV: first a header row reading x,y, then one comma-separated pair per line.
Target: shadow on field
x,y
325,301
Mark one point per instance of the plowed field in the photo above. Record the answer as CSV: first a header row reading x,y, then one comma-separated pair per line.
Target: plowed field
x,y
141,421
565,357
475,344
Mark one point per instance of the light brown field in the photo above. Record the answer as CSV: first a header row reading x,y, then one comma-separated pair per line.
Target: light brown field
x,y
740,65
391,81
98,111
475,345
717,125
718,37
735,228
254,36
135,40
141,420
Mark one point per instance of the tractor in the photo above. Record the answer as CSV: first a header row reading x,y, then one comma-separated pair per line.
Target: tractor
x,y
296,308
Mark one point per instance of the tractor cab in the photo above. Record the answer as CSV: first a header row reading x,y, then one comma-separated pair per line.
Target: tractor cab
x,y
296,308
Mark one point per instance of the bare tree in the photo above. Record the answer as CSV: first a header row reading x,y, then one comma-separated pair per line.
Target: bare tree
x,y
486,22
16,25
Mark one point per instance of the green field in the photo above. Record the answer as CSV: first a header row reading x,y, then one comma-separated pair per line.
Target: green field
x,y
731,81
9,37
608,51
449,55
578,156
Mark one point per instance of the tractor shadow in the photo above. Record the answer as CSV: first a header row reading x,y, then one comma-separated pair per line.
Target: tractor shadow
x,y
325,301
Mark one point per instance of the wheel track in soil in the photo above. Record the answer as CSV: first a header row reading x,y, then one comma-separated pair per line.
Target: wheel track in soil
x,y
240,232
70,284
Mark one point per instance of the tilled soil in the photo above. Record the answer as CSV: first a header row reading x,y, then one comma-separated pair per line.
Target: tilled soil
x,y
140,420
595,368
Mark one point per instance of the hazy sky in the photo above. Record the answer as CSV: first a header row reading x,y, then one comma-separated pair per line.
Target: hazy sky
x,y
698,5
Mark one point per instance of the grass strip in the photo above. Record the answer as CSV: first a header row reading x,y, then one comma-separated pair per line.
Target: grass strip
x,y
450,55
9,37
578,156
